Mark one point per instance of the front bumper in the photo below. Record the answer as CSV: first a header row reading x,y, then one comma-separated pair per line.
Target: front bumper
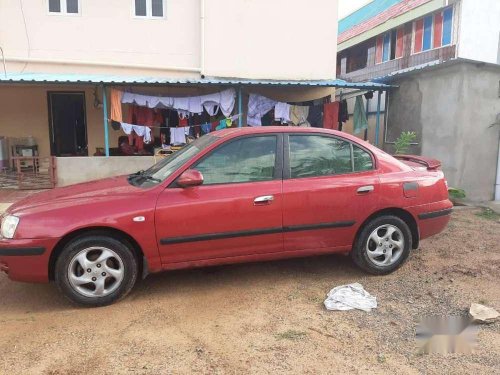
x,y
27,259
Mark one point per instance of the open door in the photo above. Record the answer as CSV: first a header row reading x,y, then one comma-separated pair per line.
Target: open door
x,y
67,124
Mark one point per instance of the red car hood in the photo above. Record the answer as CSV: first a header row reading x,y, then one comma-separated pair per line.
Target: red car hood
x,y
106,187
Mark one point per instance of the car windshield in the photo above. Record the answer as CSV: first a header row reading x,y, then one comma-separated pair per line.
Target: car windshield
x,y
164,168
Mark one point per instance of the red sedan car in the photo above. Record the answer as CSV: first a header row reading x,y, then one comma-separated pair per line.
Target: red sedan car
x,y
236,195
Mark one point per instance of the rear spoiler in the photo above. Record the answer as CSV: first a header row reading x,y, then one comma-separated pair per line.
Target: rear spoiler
x,y
430,164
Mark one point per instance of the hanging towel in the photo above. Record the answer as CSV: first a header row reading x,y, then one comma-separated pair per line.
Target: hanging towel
x,y
298,115
282,112
258,106
360,120
331,115
116,105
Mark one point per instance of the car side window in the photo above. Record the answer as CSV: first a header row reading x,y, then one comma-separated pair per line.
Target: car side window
x,y
362,159
316,155
247,159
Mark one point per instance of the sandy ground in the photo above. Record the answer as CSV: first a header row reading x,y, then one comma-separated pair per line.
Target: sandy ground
x,y
265,318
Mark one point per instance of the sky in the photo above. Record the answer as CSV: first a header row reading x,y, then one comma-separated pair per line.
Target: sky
x,y
346,7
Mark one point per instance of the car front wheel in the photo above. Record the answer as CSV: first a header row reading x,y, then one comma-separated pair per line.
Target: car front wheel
x,y
383,245
96,270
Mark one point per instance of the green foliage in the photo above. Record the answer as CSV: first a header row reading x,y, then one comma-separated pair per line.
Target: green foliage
x,y
456,193
488,214
404,141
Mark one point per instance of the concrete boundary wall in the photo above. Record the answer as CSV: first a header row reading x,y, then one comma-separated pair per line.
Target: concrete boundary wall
x,y
73,170
452,108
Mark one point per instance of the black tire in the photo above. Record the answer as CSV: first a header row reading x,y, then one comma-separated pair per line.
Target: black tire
x,y
359,253
127,266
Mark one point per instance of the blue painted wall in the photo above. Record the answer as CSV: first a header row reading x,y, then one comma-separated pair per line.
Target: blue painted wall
x,y
365,13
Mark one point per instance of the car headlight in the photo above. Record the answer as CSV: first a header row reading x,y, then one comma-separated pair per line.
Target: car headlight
x,y
9,226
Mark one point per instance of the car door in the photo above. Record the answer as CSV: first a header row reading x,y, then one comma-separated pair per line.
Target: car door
x,y
330,186
236,212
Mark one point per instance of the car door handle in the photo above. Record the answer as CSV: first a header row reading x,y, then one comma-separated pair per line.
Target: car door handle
x,y
366,189
265,199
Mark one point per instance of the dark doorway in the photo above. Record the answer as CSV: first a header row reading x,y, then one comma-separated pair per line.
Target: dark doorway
x,y
67,124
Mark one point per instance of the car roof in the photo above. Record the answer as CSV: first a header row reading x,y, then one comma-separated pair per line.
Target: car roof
x,y
233,132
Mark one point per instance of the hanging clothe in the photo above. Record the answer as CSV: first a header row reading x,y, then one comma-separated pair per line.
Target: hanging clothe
x,y
331,115
141,131
298,115
116,105
206,128
315,117
178,136
360,120
181,104
183,120
227,100
258,106
144,116
194,104
222,125
282,112
343,112
211,103
127,128
144,132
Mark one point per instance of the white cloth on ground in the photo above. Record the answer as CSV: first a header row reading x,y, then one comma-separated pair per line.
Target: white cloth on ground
x,y
348,297
258,106
282,112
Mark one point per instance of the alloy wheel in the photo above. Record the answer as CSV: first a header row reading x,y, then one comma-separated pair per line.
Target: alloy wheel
x,y
385,245
96,272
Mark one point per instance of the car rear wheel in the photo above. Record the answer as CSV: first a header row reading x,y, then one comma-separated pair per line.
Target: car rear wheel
x,y
96,270
383,245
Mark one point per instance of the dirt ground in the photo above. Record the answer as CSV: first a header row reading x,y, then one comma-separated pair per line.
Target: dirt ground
x,y
265,318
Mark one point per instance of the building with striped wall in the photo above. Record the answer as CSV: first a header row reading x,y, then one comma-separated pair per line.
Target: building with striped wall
x,y
444,58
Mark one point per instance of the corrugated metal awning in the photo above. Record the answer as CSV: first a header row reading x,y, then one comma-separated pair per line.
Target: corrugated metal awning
x,y
51,78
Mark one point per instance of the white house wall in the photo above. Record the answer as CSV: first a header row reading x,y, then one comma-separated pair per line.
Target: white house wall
x,y
480,30
289,39
283,39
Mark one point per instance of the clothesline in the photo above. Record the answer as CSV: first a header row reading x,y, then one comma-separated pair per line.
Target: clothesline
x,y
224,100
232,118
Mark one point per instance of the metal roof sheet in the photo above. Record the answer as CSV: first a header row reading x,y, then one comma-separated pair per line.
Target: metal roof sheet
x,y
147,80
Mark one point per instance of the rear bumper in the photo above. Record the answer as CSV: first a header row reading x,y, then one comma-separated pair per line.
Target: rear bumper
x,y
432,218
26,260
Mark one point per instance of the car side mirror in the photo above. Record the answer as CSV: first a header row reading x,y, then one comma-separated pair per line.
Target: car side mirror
x,y
190,178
